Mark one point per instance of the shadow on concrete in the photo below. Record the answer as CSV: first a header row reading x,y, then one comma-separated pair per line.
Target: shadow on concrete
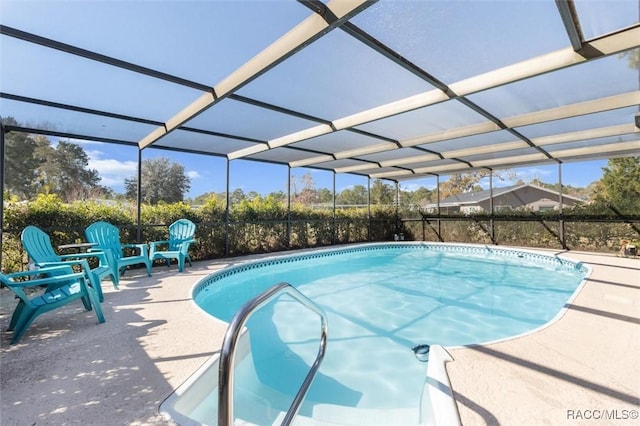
x,y
68,369
605,390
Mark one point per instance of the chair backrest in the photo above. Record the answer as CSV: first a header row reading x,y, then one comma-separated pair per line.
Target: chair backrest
x,y
38,246
106,236
179,231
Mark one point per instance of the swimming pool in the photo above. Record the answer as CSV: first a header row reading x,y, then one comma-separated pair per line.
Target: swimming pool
x,y
381,300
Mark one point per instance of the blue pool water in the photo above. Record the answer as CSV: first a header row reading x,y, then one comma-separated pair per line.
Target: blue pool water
x,y
381,300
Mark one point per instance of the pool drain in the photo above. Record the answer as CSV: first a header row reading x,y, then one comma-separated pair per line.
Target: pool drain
x,y
421,352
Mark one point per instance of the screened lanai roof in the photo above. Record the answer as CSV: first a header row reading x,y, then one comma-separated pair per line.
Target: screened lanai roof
x,y
386,89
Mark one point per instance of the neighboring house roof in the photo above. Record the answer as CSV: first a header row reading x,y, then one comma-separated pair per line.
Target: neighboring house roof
x,y
467,198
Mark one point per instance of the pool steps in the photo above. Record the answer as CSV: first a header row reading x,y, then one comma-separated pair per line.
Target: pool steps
x,y
227,352
265,402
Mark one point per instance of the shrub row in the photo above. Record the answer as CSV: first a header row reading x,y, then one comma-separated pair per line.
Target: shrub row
x,y
264,225
256,226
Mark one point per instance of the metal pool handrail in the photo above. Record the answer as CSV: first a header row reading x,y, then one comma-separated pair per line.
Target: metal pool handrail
x,y
227,352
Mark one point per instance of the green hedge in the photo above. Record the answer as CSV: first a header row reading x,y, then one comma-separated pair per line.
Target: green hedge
x,y
257,226
583,234
264,225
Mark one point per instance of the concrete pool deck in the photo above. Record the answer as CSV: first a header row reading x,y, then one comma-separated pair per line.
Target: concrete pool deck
x,y
69,370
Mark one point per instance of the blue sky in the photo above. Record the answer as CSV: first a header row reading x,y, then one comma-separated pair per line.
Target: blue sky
x,y
116,163
203,45
207,173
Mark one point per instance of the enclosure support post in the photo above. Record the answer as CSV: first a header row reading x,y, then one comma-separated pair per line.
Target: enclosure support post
x,y
491,221
334,210
289,207
139,200
368,208
397,208
2,169
560,200
227,214
438,207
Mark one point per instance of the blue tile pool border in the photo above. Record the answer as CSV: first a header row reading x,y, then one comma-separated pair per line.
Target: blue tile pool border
x,y
284,258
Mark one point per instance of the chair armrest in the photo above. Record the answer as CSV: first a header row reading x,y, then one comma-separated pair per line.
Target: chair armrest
x,y
153,244
186,243
100,254
87,271
44,270
142,247
183,246
82,262
44,281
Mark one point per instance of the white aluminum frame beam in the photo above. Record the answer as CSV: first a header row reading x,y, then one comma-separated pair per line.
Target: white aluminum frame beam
x,y
610,44
559,155
306,32
567,111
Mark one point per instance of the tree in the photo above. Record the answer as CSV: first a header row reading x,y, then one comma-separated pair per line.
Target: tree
x,y
252,195
325,196
582,193
162,180
208,197
279,196
237,196
470,182
460,183
34,166
619,187
21,164
303,189
64,171
382,193
418,197
633,58
353,196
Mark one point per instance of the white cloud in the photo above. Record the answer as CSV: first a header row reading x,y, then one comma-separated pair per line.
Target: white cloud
x,y
531,173
82,142
193,174
411,187
113,172
344,188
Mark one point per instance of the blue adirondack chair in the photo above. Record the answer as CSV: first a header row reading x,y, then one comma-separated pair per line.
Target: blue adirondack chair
x,y
107,238
38,246
181,235
60,285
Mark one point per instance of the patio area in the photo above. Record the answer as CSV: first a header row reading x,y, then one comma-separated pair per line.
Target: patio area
x,y
69,370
